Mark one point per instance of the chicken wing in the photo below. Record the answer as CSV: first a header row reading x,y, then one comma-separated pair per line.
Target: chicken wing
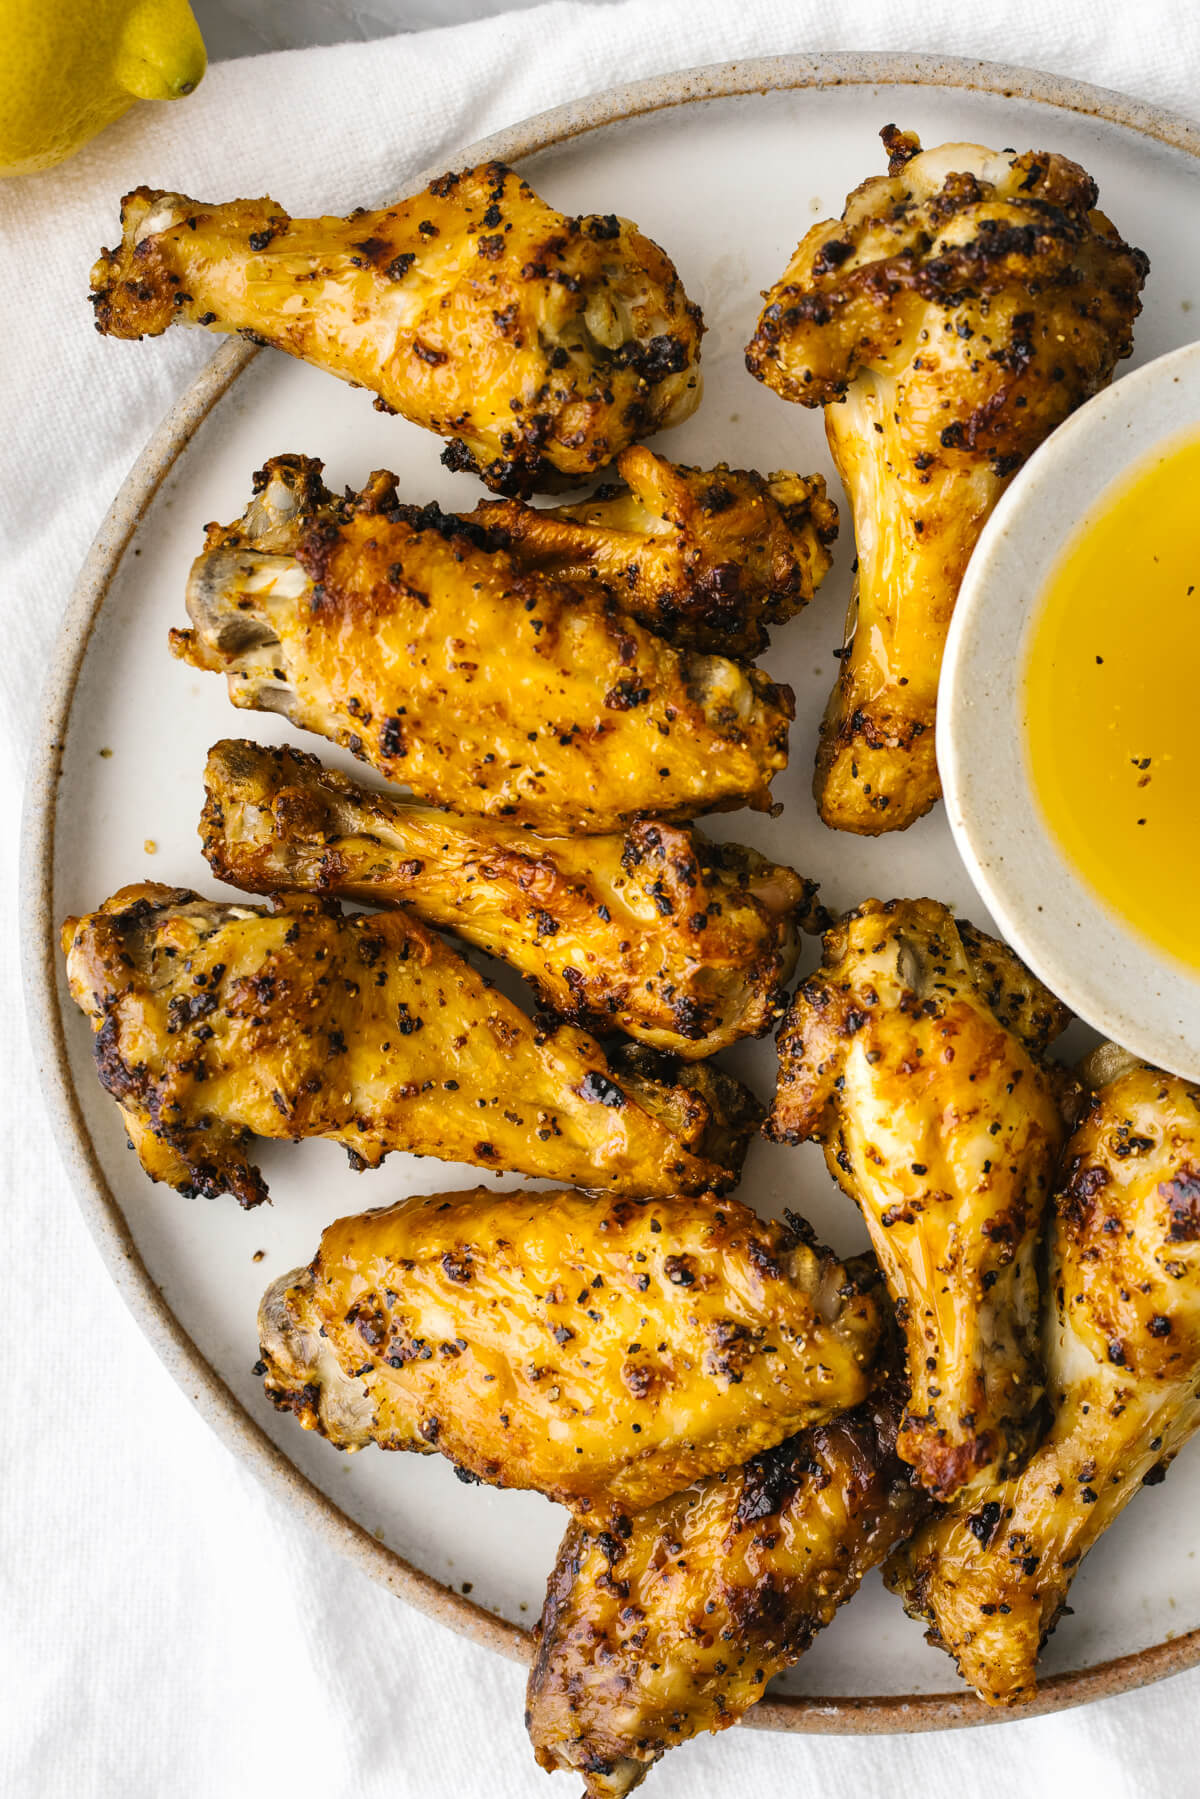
x,y
540,345
1122,1344
217,1023
604,1353
957,312
680,942
674,1621
944,1127
391,632
707,557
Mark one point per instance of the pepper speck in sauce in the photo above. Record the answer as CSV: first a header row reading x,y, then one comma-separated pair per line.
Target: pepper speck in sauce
x,y
1112,699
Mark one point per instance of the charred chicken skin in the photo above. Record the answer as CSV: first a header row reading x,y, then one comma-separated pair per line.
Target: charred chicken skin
x,y
216,1024
604,1353
540,345
961,307
1122,1344
495,692
680,942
673,1622
707,557
911,1056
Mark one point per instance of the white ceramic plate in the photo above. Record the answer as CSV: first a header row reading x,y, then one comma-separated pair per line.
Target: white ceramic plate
x,y
726,168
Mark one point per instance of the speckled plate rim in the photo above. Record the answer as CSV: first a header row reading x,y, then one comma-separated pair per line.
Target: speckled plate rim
x,y
45,995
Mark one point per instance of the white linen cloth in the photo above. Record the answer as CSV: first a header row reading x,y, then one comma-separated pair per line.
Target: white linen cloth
x,y
169,1632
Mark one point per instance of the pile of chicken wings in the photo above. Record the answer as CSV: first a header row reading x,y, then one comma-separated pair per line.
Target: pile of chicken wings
x,y
547,698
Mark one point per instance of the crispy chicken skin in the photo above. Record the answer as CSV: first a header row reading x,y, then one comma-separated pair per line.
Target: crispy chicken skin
x,y
602,1352
944,1127
498,693
1122,1346
961,307
682,943
673,1622
538,344
707,557
218,1023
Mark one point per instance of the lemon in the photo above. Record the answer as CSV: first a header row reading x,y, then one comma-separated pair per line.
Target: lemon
x,y
68,68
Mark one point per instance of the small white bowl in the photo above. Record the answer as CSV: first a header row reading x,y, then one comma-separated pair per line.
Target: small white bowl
x,y
1101,966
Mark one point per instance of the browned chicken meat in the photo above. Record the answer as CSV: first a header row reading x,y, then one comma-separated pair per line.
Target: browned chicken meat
x,y
674,1621
216,1024
605,1353
680,942
482,688
1122,1345
540,345
707,557
959,309
912,1057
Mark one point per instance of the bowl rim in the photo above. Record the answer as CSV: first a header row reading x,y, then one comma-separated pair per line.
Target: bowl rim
x,y
1124,987
44,993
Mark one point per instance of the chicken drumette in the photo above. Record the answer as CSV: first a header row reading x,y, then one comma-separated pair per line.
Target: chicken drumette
x,y
912,1057
604,1353
707,557
1122,1347
540,345
961,307
217,1023
500,693
674,1621
660,933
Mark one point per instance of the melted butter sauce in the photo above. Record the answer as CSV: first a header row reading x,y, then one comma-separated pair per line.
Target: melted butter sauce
x,y
1111,700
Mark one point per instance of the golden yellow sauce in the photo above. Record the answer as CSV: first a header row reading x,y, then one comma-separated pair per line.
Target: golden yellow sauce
x,y
1112,699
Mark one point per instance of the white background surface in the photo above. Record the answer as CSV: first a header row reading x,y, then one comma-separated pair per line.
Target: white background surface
x,y
168,1630
250,27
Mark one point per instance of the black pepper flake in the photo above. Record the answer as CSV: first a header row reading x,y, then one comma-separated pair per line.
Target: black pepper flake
x,y
982,1524
598,1087
625,695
